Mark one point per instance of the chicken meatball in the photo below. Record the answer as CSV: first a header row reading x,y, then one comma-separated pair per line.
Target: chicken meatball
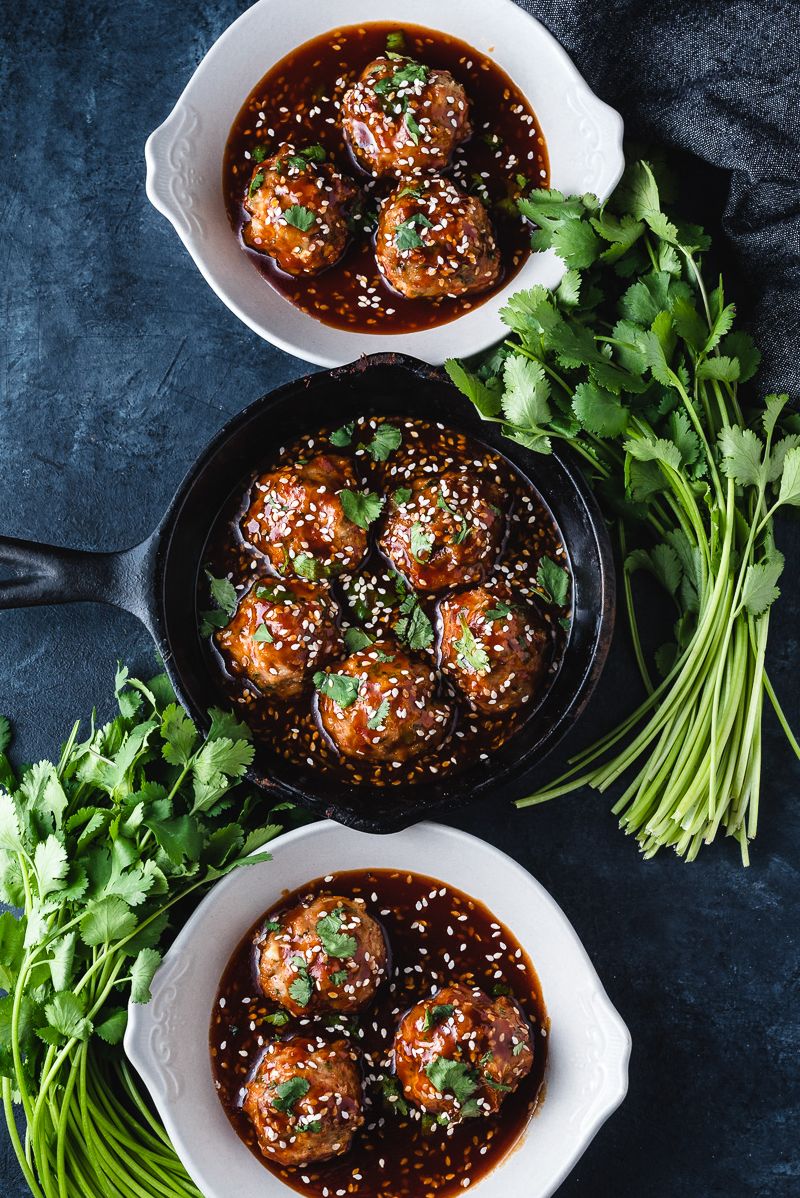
x,y
305,1101
281,633
379,705
459,1053
402,117
434,240
447,533
299,206
296,518
494,648
327,955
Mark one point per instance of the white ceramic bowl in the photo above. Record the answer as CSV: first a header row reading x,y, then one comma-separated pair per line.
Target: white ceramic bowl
x,y
184,157
589,1045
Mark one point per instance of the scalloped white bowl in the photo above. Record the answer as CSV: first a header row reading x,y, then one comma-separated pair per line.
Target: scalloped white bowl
x,y
588,1047
184,158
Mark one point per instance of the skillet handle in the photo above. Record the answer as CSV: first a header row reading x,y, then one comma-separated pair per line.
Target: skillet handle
x,y
46,574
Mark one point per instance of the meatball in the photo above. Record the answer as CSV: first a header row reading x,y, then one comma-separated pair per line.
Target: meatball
x,y
459,1053
447,533
380,705
299,207
494,648
305,1101
328,955
435,240
296,518
402,117
280,634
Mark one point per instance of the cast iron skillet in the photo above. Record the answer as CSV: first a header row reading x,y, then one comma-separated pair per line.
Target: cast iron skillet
x,y
157,580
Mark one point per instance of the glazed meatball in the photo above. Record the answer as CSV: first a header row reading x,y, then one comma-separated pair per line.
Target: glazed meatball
x,y
495,649
296,519
379,705
281,633
299,207
402,117
328,955
434,240
447,533
305,1101
459,1053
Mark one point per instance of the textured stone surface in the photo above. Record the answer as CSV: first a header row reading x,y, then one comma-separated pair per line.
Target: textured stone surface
x,y
117,363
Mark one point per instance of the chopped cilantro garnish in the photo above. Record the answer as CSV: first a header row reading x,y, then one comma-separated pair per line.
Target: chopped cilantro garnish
x,y
224,596
386,438
379,655
437,1014
306,566
452,1077
554,581
342,436
288,1093
498,612
355,639
378,717
394,1095
299,217
276,1018
402,495
339,977
272,925
302,987
396,41
341,688
414,131
256,181
406,236
275,592
259,153
414,627
463,530
335,942
361,507
518,1049
421,542
471,653
262,634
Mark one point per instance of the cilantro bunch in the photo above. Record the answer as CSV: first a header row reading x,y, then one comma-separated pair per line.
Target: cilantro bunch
x,y
633,363
97,849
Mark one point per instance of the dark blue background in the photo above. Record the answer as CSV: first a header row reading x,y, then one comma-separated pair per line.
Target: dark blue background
x,y
117,363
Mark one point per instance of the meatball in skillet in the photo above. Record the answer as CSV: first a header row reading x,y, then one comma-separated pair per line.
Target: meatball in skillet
x,y
296,519
447,533
281,633
495,649
402,116
299,206
379,705
435,240
305,1101
459,1053
327,955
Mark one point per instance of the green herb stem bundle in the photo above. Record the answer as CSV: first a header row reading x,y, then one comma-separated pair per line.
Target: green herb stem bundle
x,y
97,850
633,363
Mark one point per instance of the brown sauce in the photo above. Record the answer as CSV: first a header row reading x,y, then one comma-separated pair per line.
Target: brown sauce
x,y
503,159
370,599
393,1156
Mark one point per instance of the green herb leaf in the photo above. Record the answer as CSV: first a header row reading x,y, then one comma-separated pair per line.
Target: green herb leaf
x,y
257,181
142,974
402,495
259,153
306,566
299,217
342,689
437,1014
525,401
335,942
452,1077
356,639
414,627
340,976
342,436
499,612
288,1093
760,591
421,542
378,717
386,439
361,507
471,654
405,235
396,42
394,1095
414,131
554,581
487,402
262,634
302,987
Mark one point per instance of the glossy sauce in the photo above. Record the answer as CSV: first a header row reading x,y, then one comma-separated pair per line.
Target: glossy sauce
x,y
393,1156
370,600
503,159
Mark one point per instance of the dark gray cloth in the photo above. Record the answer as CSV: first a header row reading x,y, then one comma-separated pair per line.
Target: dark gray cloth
x,y
719,81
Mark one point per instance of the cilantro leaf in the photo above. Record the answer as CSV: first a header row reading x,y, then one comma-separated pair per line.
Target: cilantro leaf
x,y
361,507
299,217
554,581
342,436
487,402
378,717
414,131
760,591
257,181
288,1093
302,987
437,1014
470,652
339,977
263,635
406,236
356,639
259,153
599,411
107,921
414,627
789,492
452,1077
387,438
527,391
341,689
396,42
394,1095
402,495
421,542
306,566
142,974
742,456
336,942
